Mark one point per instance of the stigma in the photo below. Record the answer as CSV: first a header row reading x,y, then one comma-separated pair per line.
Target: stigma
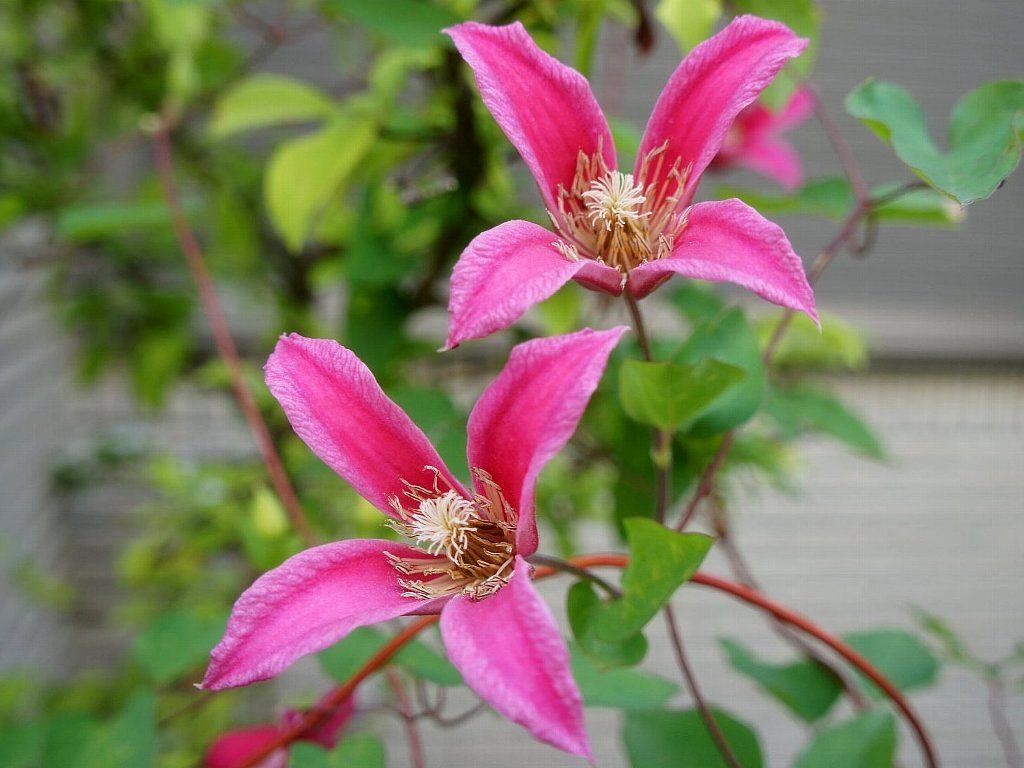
x,y
469,543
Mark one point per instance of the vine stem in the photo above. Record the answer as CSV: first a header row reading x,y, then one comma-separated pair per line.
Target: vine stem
x,y
676,638
224,341
412,733
314,717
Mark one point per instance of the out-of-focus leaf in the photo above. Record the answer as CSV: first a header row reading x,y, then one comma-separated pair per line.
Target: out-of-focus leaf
x,y
345,657
866,741
837,345
22,745
898,654
265,99
176,643
305,173
800,408
561,313
986,130
953,646
158,358
360,750
83,222
689,21
804,18
69,736
698,301
670,395
729,339
618,688
805,688
415,23
129,740
680,739
832,197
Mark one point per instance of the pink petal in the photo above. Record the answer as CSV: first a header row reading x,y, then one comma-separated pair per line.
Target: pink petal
x,y
730,241
600,277
325,734
502,273
307,603
509,650
531,410
710,88
775,159
546,109
233,748
336,406
798,109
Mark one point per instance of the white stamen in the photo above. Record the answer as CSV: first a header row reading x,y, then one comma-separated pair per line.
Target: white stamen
x,y
614,199
442,524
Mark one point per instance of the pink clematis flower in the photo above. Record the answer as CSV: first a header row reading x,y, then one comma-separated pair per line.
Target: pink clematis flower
x,y
233,748
754,140
616,231
470,564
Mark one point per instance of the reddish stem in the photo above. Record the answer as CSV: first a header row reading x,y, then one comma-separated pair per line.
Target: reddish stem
x,y
412,733
313,718
222,337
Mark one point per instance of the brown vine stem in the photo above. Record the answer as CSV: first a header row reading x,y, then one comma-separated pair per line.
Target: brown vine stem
x,y
314,717
676,637
412,733
222,337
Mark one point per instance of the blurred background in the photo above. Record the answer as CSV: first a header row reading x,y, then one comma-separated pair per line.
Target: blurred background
x,y
131,488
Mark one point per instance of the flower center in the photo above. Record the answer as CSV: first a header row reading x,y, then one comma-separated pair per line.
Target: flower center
x,y
618,220
475,537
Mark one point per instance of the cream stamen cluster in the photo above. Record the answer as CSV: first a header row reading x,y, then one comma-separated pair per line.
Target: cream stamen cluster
x,y
617,219
475,537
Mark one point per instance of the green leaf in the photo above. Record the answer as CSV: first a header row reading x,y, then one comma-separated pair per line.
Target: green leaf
x,y
176,643
585,610
626,135
84,222
305,754
953,646
360,750
21,745
306,173
800,408
985,134
415,23
832,197
837,345
265,99
670,395
728,339
804,687
866,741
129,740
618,688
898,654
660,561
680,739
69,739
344,658
688,21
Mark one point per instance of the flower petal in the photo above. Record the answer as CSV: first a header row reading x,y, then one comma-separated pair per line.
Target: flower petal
x,y
307,603
502,273
798,109
336,406
774,158
531,410
234,748
600,277
730,241
509,650
709,89
546,108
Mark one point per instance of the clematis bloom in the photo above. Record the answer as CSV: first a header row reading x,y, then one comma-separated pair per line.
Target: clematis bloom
x,y
755,140
616,231
234,748
470,563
